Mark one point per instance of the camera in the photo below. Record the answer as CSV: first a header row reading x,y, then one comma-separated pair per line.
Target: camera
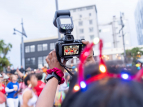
x,y
66,47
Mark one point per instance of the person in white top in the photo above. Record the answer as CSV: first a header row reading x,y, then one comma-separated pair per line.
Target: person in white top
x,y
29,98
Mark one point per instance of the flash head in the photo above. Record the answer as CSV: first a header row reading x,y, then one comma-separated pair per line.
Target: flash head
x,y
60,13
63,21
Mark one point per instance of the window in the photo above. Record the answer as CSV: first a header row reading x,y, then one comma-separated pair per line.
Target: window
x,y
44,61
27,61
74,10
89,14
39,47
91,29
81,31
40,62
90,22
32,48
45,47
27,49
89,7
33,61
81,37
52,46
80,9
80,23
91,37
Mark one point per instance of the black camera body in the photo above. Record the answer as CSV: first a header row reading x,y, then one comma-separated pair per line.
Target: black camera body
x,y
66,47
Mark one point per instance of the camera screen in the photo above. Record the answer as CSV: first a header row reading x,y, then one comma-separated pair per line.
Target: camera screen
x,y
71,50
65,21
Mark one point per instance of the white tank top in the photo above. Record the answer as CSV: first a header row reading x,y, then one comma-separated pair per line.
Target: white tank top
x,y
31,101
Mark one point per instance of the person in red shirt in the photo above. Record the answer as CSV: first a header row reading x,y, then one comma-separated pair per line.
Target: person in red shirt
x,y
2,93
66,51
40,84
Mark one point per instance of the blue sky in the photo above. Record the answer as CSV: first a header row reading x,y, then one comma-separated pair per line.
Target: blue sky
x,y
38,17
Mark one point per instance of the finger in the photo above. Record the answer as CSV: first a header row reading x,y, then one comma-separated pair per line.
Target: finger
x,y
47,60
50,53
85,42
50,56
54,54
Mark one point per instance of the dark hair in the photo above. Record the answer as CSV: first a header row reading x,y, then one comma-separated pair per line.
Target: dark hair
x,y
28,77
107,92
39,76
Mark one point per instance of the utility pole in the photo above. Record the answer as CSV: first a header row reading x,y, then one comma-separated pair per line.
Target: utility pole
x,y
22,43
122,24
57,8
114,31
22,46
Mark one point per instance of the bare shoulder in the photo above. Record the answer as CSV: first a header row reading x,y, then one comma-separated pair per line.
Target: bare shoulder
x,y
27,93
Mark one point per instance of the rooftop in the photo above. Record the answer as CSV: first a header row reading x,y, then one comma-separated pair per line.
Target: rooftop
x,y
84,7
40,39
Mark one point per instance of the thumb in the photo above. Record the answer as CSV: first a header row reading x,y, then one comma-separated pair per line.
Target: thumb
x,y
85,42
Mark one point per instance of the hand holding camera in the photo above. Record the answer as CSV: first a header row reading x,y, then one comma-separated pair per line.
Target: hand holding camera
x,y
67,47
52,61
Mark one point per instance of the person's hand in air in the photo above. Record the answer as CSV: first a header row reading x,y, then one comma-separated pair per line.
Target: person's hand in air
x,y
90,58
52,61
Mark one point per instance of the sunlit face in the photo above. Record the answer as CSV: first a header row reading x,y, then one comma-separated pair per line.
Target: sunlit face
x,y
33,81
14,78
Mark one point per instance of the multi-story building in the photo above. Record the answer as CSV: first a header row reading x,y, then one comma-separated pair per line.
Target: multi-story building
x,y
36,51
109,32
139,21
85,22
113,39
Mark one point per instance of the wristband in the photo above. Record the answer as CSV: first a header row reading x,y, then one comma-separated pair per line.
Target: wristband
x,y
57,74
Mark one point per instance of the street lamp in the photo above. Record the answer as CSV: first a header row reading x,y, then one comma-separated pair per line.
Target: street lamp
x,y
22,44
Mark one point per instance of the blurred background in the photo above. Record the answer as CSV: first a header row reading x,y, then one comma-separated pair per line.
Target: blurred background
x,y
110,20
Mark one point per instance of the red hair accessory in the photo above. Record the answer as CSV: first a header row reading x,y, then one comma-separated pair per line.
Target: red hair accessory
x,y
102,68
58,72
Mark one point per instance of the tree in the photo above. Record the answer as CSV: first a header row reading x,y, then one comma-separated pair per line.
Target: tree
x,y
133,54
4,49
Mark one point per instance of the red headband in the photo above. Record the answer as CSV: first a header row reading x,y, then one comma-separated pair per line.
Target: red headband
x,y
102,67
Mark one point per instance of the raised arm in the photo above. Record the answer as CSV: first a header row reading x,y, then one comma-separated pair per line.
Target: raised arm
x,y
19,73
46,98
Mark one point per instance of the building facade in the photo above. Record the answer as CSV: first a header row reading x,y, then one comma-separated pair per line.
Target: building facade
x,y
139,21
111,36
85,22
35,52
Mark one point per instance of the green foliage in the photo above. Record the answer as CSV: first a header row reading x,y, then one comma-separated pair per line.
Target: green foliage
x,y
133,54
4,49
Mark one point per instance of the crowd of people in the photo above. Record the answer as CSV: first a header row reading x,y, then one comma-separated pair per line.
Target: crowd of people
x,y
22,87
70,50
55,87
